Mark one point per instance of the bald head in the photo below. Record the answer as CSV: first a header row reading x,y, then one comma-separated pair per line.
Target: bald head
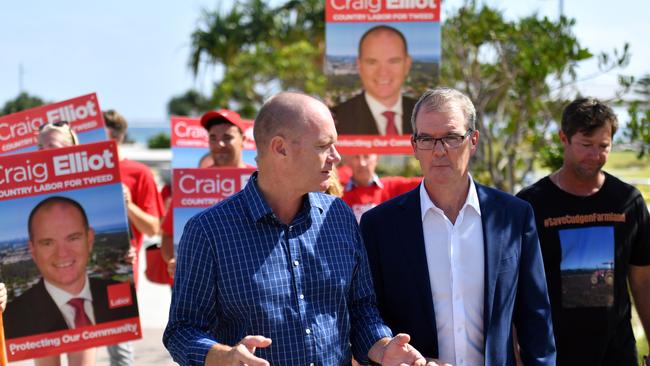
x,y
285,114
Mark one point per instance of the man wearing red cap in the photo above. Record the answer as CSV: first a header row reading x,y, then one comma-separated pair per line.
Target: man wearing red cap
x,y
226,138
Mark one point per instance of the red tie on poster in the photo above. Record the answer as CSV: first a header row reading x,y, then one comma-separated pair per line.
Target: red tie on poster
x,y
391,129
80,317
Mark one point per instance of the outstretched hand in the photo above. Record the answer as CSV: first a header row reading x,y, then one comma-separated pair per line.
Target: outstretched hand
x,y
241,354
399,352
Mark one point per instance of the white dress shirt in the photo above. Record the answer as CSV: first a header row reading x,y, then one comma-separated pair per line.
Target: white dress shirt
x,y
455,259
376,108
61,299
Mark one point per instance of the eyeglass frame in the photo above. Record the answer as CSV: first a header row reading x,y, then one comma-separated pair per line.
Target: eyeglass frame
x,y
55,124
445,145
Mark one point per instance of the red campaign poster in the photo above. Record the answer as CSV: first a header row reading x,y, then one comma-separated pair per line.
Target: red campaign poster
x,y
63,251
190,147
380,56
18,131
197,189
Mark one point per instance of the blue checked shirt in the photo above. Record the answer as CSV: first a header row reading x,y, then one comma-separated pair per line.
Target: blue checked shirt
x,y
306,285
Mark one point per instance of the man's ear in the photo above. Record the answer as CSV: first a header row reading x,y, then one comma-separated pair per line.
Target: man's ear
x,y
91,239
564,139
279,146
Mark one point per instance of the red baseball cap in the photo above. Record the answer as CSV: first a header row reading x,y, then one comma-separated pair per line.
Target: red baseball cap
x,y
225,114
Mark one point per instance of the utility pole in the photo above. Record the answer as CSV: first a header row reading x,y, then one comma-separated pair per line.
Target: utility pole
x,y
21,75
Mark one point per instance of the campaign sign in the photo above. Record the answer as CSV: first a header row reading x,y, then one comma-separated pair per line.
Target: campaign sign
x,y
64,240
191,148
18,131
380,56
194,190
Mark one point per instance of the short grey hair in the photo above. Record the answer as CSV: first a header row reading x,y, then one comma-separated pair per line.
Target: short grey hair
x,y
443,99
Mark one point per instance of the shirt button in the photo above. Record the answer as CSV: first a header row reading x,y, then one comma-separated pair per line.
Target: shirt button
x,y
311,364
296,263
301,296
290,228
459,329
308,331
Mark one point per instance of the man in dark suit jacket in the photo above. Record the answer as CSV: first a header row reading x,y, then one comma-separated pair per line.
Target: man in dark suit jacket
x,y
60,242
35,311
455,264
383,64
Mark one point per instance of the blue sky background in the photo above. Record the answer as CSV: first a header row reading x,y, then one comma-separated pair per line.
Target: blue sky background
x,y
188,157
587,248
107,211
134,54
423,38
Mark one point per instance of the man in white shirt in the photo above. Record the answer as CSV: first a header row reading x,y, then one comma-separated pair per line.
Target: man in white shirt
x,y
455,264
383,64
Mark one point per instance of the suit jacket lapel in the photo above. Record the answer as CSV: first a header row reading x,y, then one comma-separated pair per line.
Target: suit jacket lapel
x,y
365,119
491,218
411,228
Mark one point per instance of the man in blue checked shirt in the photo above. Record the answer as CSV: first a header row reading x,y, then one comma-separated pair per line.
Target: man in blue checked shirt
x,y
276,274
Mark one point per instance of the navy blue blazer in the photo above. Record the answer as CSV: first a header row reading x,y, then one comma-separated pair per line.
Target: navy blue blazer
x,y
515,284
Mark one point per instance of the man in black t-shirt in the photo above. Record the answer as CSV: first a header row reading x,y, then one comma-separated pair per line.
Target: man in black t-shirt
x,y
594,231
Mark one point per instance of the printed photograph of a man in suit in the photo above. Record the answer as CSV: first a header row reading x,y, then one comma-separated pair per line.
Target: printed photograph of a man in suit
x,y
375,69
61,243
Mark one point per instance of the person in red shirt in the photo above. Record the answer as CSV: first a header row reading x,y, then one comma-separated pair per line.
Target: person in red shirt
x,y
226,140
144,209
366,190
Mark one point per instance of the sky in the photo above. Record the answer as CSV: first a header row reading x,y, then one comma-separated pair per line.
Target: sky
x,y
134,54
101,213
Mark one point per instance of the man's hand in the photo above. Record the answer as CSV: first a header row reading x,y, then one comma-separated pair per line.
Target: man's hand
x,y
130,256
398,352
171,267
127,194
3,297
241,354
436,362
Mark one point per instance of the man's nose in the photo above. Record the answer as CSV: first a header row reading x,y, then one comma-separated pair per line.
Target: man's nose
x,y
439,148
334,155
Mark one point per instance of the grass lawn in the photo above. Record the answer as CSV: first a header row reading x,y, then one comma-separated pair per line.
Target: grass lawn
x,y
641,342
626,166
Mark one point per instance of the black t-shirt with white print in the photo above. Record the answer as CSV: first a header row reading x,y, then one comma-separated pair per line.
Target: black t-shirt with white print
x,y
588,244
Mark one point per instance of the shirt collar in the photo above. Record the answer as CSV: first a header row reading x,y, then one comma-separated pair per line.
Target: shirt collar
x,y
376,108
260,209
470,201
62,297
375,180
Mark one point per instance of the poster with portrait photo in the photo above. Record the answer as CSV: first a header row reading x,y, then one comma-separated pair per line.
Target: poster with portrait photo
x,y
197,189
63,252
191,147
18,131
380,57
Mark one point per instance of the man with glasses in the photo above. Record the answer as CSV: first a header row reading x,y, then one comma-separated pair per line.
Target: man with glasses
x,y
455,264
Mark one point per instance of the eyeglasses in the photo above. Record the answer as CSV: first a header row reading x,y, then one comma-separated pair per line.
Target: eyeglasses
x,y
55,124
448,142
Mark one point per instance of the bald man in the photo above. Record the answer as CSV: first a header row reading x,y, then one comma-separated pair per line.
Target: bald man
x,y
277,273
